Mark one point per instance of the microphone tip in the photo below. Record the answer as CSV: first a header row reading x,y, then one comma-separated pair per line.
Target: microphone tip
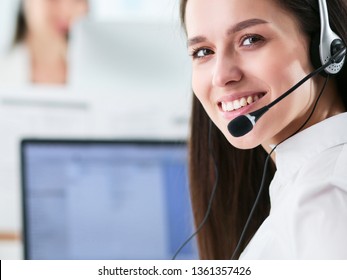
x,y
240,126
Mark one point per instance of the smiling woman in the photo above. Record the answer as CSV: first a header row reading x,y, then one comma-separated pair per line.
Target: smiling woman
x,y
245,55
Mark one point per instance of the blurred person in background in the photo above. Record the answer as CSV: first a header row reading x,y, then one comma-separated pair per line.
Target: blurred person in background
x,y
39,52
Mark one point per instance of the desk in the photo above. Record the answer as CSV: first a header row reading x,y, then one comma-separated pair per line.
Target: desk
x,y
11,247
9,236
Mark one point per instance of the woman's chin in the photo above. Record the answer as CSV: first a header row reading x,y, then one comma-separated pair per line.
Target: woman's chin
x,y
245,142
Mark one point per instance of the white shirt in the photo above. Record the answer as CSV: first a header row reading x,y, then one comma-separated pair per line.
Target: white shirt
x,y
15,67
308,217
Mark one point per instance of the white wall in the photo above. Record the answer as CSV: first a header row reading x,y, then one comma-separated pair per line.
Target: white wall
x,y
135,9
8,9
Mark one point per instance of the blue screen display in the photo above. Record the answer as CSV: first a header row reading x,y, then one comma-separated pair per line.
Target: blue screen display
x,y
106,200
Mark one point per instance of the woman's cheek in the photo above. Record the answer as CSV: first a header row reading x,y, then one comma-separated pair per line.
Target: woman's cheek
x,y
200,85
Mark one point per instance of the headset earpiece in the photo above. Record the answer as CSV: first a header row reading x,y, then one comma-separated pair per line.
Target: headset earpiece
x,y
326,44
336,46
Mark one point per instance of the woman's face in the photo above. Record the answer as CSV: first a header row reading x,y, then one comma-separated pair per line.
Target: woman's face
x,y
54,16
245,54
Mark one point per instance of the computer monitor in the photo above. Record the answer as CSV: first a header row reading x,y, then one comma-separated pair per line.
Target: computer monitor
x,y
95,199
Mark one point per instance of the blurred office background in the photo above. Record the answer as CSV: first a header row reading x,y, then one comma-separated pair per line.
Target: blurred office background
x,y
128,78
101,10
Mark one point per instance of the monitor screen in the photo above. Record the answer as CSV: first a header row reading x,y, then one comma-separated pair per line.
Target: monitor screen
x,y
105,199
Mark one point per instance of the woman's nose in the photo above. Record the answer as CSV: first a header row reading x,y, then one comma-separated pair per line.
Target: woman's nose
x,y
226,72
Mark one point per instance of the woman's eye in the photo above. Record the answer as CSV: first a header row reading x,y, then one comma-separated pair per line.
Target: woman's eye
x,y
201,53
250,40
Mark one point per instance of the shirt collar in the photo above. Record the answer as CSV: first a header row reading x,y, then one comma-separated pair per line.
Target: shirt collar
x,y
298,149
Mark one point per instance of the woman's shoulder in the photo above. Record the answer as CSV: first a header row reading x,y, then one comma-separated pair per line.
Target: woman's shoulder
x,y
339,172
14,66
327,167
322,182
315,207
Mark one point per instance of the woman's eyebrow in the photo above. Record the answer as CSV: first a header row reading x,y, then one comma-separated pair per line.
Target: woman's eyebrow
x,y
235,28
245,24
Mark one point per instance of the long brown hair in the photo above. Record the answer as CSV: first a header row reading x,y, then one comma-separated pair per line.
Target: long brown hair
x,y
21,28
240,171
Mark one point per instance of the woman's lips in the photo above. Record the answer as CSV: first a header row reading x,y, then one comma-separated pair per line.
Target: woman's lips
x,y
229,106
243,105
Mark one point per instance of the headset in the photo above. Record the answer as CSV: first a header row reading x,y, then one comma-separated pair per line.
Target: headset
x,y
327,54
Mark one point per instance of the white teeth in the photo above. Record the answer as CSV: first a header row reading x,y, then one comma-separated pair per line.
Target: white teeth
x,y
250,100
243,102
224,106
237,104
230,106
